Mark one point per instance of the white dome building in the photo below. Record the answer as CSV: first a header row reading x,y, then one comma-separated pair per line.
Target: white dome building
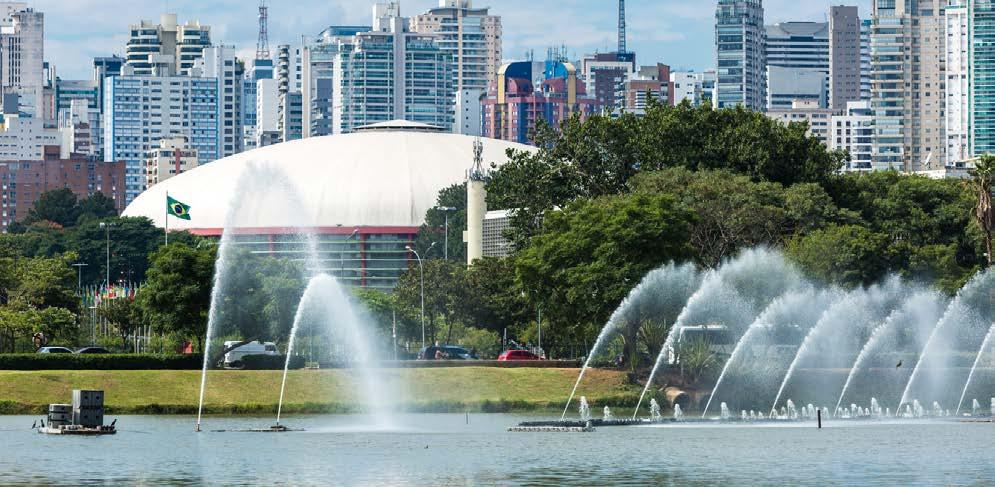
x,y
365,194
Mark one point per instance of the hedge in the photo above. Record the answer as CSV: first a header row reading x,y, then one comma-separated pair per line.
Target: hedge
x,y
271,362
68,361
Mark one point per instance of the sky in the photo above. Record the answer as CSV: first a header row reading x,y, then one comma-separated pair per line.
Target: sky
x,y
674,32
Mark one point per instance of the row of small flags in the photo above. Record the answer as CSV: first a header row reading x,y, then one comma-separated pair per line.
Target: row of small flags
x,y
93,296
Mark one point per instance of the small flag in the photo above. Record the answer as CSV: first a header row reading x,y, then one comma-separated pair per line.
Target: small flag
x,y
177,209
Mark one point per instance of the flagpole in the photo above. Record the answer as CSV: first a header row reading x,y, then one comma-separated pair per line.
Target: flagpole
x,y
167,218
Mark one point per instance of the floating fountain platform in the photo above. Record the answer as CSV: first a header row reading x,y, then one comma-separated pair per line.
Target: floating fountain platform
x,y
551,429
76,430
579,424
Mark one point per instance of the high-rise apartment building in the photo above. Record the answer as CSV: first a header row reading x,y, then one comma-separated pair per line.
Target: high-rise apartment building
x,y
740,41
22,56
865,59
140,111
166,48
289,77
970,79
853,132
219,63
386,73
844,56
318,58
472,38
908,51
797,64
605,73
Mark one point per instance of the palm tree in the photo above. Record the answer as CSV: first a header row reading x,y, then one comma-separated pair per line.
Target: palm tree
x,y
981,183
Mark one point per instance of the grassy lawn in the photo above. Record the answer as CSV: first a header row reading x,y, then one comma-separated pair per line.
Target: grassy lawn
x,y
445,389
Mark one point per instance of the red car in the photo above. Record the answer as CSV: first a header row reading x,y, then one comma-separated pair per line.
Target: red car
x,y
517,355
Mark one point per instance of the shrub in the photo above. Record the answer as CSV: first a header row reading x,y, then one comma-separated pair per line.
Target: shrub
x,y
271,362
65,361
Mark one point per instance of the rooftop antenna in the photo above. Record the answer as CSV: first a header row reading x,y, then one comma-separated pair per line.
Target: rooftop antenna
x,y
477,172
262,45
621,27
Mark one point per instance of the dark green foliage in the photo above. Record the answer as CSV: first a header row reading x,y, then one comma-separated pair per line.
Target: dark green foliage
x,y
67,361
59,206
600,156
850,255
591,254
271,362
435,224
177,295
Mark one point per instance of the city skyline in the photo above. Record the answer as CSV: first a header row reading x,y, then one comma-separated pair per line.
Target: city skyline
x,y
668,31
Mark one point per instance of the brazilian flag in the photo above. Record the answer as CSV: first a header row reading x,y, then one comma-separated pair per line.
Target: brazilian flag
x,y
177,209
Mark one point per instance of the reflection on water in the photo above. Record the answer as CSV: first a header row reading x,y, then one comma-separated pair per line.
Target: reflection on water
x,y
442,449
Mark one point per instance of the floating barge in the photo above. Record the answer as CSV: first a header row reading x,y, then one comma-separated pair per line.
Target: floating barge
x,y
552,429
84,417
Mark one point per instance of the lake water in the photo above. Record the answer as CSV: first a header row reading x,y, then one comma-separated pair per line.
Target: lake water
x,y
442,449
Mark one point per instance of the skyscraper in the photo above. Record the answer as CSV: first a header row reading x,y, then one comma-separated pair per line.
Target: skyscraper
x,y
166,48
907,84
844,56
740,42
22,54
970,79
471,36
797,64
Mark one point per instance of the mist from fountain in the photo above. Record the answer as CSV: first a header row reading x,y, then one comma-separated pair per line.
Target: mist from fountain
x,y
836,339
961,329
734,294
661,294
918,314
795,311
982,352
260,186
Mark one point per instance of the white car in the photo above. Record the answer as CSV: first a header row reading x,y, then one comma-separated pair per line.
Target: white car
x,y
234,357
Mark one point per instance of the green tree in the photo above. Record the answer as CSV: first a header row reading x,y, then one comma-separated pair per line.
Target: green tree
x,y
592,253
444,290
981,182
733,212
494,299
850,255
58,206
96,207
433,230
600,156
177,293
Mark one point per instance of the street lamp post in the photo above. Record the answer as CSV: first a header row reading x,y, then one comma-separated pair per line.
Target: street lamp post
x,y
421,272
446,210
107,229
79,278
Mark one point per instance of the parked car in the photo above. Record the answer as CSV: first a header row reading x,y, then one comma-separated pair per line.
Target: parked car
x,y
510,355
93,350
446,352
54,350
234,356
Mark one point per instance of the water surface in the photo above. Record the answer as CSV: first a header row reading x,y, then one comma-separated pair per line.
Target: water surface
x,y
442,449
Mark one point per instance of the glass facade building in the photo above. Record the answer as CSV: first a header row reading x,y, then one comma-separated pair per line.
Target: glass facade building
x,y
970,79
740,41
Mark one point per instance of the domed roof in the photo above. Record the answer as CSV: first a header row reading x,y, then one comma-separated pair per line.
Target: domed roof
x,y
383,178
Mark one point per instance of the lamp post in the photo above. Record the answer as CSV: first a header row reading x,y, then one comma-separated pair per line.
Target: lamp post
x,y
107,229
446,210
421,272
79,278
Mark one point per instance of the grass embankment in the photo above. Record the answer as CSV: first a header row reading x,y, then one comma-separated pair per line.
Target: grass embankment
x,y
312,391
